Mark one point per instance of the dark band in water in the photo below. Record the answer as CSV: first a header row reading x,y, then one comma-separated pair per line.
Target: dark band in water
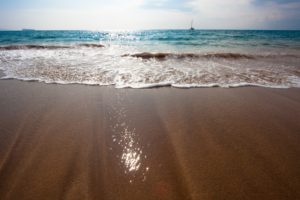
x,y
231,56
162,56
33,46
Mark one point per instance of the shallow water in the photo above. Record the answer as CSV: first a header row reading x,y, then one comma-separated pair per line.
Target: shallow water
x,y
139,59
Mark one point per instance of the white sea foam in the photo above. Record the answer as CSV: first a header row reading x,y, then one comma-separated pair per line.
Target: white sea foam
x,y
115,65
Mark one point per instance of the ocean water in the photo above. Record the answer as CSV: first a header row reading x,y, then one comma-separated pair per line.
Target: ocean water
x,y
141,59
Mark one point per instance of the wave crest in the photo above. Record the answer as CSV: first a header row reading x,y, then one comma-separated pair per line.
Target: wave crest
x,y
50,47
31,46
90,45
163,56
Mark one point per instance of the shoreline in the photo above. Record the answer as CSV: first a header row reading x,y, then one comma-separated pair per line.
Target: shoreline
x,y
149,86
81,142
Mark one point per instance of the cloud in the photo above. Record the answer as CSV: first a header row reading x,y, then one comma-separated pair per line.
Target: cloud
x,y
240,14
116,14
149,14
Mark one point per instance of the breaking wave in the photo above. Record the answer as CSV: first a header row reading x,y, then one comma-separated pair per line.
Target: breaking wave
x,y
162,56
94,64
49,47
230,56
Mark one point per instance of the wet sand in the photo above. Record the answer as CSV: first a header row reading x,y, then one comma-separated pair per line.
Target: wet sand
x,y
90,142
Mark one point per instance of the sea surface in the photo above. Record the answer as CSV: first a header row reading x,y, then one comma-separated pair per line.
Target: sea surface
x,y
151,58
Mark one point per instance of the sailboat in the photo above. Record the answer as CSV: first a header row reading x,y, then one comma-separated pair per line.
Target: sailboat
x,y
192,28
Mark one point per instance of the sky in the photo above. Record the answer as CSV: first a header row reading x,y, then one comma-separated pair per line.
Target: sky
x,y
149,14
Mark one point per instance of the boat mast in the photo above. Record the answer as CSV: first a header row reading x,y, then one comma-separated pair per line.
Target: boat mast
x,y
192,28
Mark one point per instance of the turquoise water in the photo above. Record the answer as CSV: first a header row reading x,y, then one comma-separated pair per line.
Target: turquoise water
x,y
180,38
179,58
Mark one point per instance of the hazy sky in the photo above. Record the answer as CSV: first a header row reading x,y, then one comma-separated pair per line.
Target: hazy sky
x,y
149,14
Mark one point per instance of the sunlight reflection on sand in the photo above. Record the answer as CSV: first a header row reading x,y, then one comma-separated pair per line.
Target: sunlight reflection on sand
x,y
125,136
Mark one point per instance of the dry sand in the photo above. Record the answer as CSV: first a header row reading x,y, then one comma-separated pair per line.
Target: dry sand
x,y
91,142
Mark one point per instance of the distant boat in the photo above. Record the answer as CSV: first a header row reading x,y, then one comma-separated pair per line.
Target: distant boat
x,y
192,28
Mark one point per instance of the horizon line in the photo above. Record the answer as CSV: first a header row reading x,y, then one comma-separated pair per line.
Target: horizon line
x,y
115,30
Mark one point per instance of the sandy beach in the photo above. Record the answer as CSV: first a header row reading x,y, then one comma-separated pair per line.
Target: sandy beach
x,y
92,142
